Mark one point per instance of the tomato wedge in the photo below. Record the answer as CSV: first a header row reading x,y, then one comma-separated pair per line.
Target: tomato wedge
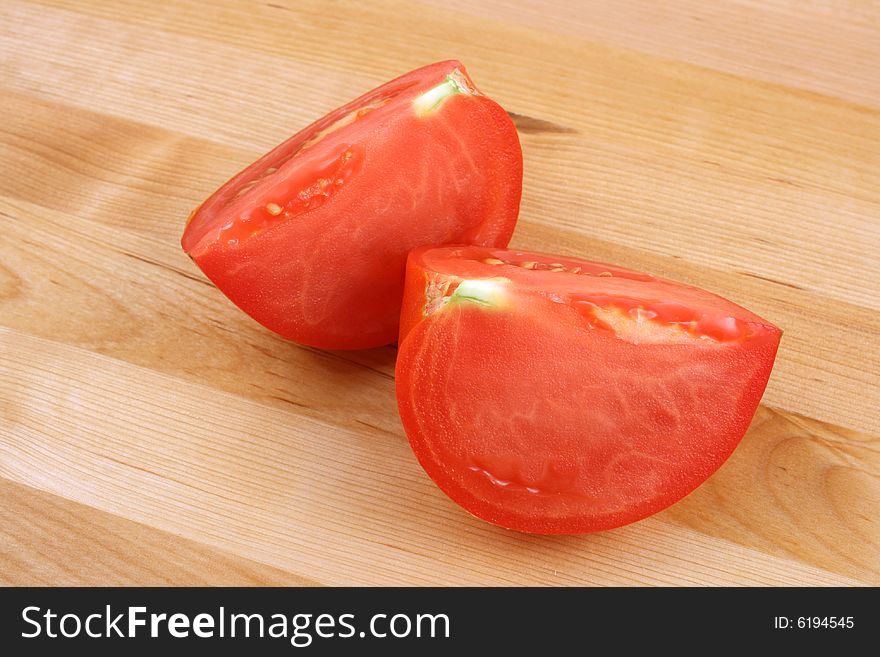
x,y
311,240
553,395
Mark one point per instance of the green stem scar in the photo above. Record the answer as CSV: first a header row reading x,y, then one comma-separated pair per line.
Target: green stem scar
x,y
485,292
455,83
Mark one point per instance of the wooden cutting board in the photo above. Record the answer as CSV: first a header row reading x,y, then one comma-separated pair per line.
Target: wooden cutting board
x,y
152,434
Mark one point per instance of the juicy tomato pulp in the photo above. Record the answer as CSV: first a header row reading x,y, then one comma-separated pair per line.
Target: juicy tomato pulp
x,y
558,396
311,240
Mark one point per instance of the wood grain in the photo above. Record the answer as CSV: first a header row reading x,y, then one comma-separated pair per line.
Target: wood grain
x,y
278,488
735,146
46,540
784,42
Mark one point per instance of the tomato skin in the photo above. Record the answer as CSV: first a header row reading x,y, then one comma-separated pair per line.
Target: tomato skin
x,y
329,271
533,416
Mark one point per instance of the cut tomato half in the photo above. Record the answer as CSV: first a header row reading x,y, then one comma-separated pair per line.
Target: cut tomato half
x,y
311,240
553,395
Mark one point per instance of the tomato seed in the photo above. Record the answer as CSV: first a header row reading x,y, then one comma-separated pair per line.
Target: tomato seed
x,y
273,208
605,273
246,188
493,261
529,265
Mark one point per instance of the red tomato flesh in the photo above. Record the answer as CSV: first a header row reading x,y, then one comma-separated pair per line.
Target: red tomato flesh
x,y
553,395
311,240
